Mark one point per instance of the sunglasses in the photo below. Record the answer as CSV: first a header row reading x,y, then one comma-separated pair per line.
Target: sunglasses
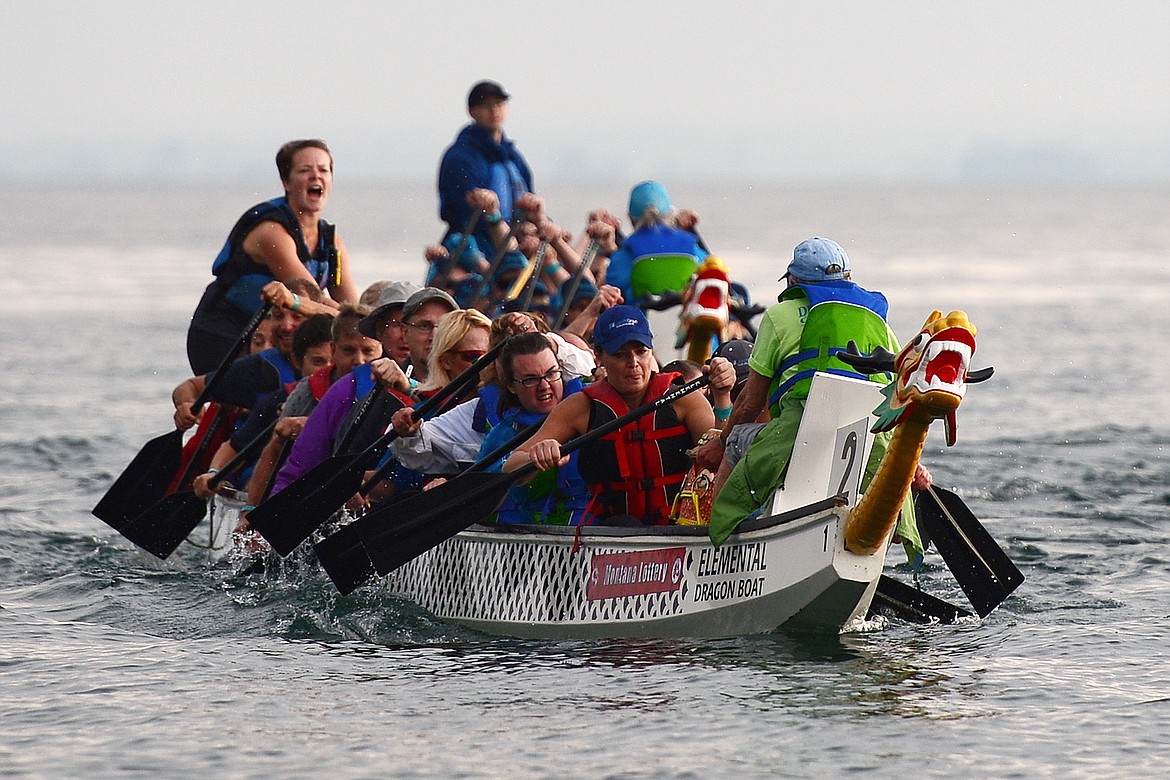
x,y
468,355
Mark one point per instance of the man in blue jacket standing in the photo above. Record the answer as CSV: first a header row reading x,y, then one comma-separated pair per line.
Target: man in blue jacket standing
x,y
482,157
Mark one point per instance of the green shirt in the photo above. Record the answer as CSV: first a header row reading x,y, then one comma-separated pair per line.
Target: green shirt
x,y
777,339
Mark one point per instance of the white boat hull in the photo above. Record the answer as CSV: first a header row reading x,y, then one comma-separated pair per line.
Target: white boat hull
x,y
213,537
548,583
789,568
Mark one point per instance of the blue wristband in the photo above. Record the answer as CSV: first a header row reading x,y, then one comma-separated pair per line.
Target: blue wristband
x,y
296,302
723,414
552,268
494,217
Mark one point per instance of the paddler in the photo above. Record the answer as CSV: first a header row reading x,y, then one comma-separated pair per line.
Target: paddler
x,y
330,420
312,351
658,230
819,312
284,238
482,157
350,349
635,473
532,382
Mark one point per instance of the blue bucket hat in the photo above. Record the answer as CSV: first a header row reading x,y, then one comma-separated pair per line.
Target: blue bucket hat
x,y
618,326
471,254
585,289
645,195
818,260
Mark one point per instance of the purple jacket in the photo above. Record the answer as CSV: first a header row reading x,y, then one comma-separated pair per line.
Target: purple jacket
x,y
315,442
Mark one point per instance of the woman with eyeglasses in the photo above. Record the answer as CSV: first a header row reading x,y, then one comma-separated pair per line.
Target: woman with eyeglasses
x,y
530,383
440,444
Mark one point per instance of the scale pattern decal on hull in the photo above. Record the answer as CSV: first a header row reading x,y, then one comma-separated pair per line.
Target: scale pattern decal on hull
x,y
517,581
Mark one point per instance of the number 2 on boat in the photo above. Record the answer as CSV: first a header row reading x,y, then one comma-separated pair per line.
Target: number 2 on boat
x,y
845,475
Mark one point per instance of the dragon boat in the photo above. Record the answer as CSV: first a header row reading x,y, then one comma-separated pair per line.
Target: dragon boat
x,y
813,559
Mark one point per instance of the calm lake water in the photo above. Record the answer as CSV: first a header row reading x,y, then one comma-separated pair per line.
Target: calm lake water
x,y
113,664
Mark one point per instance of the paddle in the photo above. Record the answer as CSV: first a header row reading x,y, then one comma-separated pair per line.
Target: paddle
x,y
534,277
520,284
894,598
292,515
699,239
153,469
501,250
193,462
587,258
981,567
285,448
163,526
440,280
343,555
368,404
437,515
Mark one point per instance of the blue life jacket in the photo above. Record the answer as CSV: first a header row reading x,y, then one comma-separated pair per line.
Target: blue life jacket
x,y
477,160
288,374
661,240
558,496
487,411
240,278
363,378
839,312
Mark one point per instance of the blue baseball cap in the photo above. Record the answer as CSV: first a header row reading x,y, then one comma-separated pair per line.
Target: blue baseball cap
x,y
618,326
818,260
645,195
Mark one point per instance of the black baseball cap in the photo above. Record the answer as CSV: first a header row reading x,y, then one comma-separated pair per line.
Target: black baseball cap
x,y
737,352
485,91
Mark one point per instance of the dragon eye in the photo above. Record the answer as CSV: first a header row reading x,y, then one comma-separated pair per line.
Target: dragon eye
x,y
920,342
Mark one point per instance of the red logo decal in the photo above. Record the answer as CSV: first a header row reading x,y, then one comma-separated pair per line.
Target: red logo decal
x,y
613,575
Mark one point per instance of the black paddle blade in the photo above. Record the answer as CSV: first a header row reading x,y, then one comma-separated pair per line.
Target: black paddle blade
x,y
982,569
291,516
243,381
895,599
344,558
409,528
165,524
143,482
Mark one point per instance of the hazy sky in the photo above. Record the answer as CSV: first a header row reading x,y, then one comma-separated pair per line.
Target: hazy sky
x,y
754,90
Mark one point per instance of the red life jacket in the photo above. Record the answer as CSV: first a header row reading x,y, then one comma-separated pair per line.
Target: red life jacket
x,y
320,381
216,425
638,469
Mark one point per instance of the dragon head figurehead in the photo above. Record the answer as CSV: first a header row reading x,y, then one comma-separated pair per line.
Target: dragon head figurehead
x,y
931,378
931,373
